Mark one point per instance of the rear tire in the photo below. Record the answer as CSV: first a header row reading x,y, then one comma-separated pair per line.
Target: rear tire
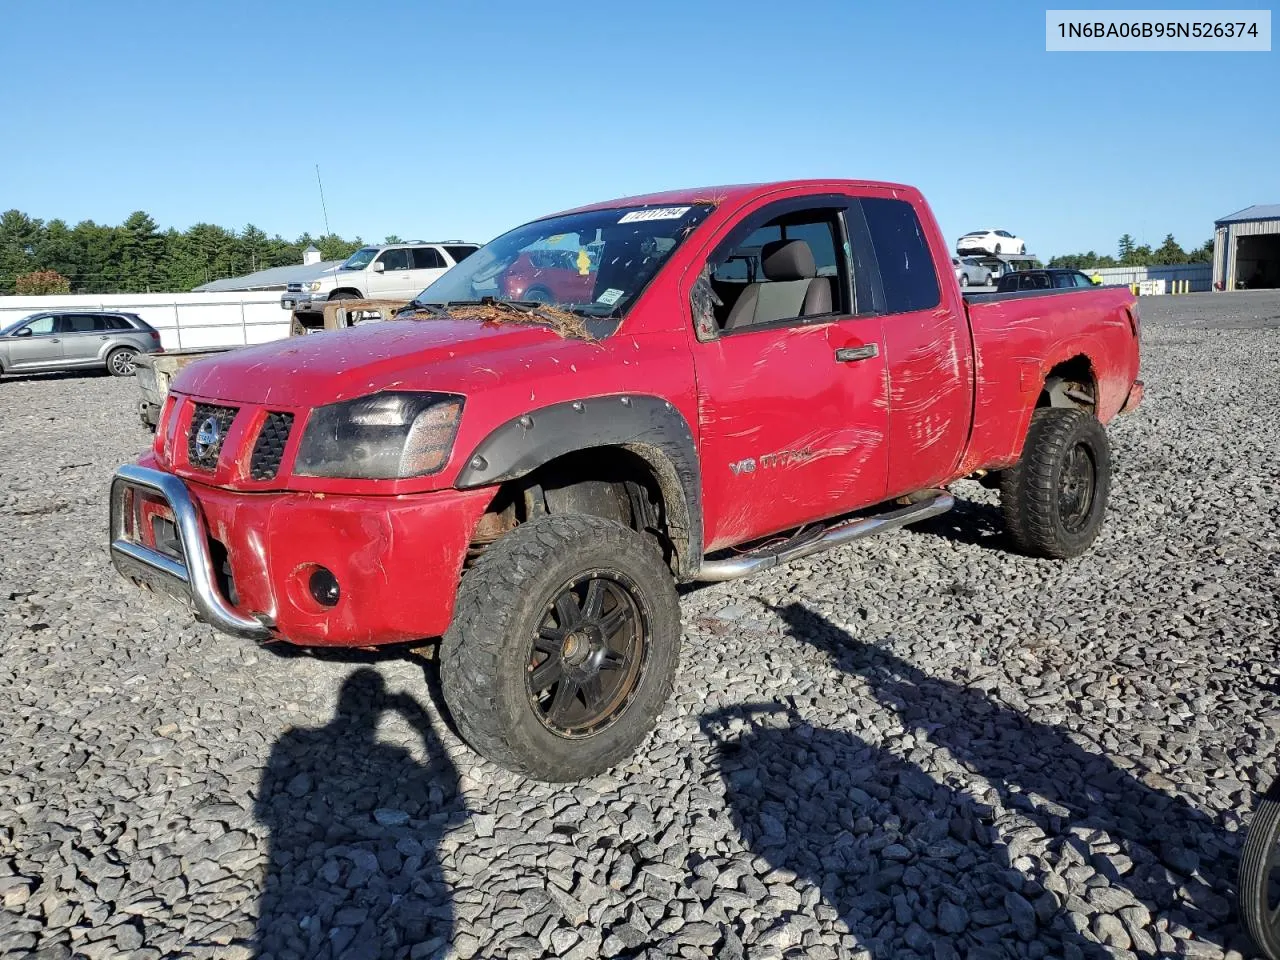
x,y
122,362
1055,497
536,678
1259,870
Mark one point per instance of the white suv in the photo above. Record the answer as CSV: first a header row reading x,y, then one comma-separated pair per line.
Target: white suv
x,y
395,271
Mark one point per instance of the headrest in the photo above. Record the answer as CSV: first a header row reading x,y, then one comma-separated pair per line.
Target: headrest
x,y
787,260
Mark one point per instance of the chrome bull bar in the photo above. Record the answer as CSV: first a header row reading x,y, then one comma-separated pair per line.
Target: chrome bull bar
x,y
191,580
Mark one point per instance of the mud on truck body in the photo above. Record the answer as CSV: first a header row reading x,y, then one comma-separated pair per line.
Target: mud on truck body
x,y
752,374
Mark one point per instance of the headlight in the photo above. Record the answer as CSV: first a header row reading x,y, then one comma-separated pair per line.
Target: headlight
x,y
384,436
313,286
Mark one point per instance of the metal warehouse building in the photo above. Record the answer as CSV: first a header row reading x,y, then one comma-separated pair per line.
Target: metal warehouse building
x,y
1246,249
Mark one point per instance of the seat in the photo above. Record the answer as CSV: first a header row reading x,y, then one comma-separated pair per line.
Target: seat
x,y
791,288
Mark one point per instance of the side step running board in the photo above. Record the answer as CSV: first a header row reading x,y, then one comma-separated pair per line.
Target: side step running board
x,y
927,503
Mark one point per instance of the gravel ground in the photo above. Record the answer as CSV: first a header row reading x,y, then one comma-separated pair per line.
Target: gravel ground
x,y
920,746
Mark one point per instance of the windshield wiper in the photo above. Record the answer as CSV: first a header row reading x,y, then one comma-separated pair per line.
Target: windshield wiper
x,y
432,308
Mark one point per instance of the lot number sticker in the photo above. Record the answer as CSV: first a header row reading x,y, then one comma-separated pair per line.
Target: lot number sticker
x,y
655,213
610,296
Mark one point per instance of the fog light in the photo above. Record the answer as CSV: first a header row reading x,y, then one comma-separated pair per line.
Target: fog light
x,y
324,587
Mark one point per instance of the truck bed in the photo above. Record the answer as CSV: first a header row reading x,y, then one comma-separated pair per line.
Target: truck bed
x,y
1024,335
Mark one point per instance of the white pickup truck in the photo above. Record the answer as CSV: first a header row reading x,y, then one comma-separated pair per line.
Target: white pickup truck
x,y
394,271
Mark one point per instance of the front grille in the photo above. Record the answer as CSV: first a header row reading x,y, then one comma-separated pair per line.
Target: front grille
x,y
209,427
294,288
269,447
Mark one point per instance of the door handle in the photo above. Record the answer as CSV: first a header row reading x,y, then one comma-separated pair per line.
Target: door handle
x,y
853,354
54,340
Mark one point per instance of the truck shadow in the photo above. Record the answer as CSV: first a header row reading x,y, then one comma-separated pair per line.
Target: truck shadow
x,y
969,522
355,826
1080,840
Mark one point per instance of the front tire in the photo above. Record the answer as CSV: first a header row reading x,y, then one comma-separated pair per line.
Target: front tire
x,y
122,362
1260,876
1055,497
563,647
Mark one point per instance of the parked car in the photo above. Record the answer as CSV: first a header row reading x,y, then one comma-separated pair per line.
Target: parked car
x,y
395,271
1050,279
530,483
969,271
1259,888
75,340
990,241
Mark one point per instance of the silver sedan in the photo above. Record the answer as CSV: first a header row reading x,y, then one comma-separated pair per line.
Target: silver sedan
x,y
970,272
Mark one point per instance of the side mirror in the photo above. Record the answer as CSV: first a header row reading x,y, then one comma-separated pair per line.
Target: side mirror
x,y
379,267
24,332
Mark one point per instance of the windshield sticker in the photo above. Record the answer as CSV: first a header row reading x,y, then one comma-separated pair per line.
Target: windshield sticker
x,y
610,296
584,262
654,213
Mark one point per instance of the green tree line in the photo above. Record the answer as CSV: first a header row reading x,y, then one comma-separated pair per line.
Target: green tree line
x,y
1130,254
138,257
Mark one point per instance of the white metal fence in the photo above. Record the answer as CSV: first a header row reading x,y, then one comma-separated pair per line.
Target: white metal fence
x,y
183,319
1197,276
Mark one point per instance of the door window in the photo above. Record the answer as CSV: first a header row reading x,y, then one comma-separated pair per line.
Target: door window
x,y
902,255
779,268
80,323
427,258
395,260
461,253
43,327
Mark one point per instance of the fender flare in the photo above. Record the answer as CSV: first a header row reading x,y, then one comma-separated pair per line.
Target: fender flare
x,y
648,426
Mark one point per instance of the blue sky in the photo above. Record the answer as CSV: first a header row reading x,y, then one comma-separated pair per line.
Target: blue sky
x,y
458,120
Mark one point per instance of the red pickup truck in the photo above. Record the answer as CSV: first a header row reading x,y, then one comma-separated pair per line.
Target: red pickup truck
x,y
753,374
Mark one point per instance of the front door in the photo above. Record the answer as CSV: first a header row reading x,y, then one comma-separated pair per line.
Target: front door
x,y
394,281
42,347
792,384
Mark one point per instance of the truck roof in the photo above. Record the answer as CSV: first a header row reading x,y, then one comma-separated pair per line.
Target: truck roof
x,y
729,192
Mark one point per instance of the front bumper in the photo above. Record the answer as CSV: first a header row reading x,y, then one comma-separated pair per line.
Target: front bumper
x,y
241,560
303,302
191,579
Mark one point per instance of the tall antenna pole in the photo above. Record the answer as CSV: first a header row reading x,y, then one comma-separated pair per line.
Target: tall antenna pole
x,y
322,206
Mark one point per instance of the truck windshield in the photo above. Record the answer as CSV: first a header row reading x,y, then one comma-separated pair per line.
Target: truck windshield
x,y
360,259
594,263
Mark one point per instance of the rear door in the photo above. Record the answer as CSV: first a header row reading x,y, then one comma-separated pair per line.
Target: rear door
x,y
926,344
428,264
83,337
793,409
41,348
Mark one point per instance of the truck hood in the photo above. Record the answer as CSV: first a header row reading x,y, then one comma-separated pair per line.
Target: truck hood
x,y
316,369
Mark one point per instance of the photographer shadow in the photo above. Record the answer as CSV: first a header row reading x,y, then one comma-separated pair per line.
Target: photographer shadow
x,y
886,840
355,827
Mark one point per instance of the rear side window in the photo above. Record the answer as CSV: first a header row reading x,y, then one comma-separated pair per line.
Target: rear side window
x,y
461,253
427,258
81,323
902,253
1064,280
